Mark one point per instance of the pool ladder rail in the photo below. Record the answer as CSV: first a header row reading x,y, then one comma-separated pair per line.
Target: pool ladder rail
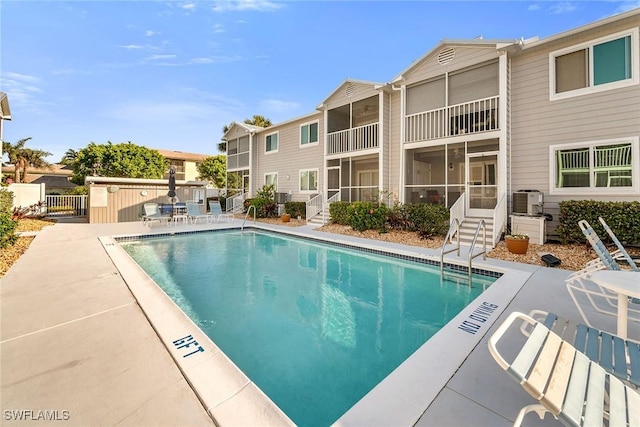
x,y
455,223
247,215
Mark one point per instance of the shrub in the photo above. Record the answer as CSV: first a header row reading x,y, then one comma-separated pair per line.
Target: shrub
x,y
264,202
6,200
7,230
339,212
427,219
622,217
368,216
296,209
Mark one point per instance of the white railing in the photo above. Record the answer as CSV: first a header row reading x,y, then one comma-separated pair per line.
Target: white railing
x,y
66,205
235,204
471,117
327,205
313,206
456,212
499,220
355,139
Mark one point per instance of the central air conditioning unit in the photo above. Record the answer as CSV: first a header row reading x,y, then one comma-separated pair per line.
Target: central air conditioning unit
x,y
528,202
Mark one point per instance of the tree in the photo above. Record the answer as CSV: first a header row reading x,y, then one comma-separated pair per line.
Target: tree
x,y
21,158
125,160
256,120
214,170
69,157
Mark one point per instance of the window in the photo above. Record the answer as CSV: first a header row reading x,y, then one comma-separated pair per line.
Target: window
x,y
309,134
309,180
198,196
600,167
271,143
271,179
606,63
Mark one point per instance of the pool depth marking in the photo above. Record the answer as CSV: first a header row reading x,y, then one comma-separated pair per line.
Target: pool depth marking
x,y
481,314
186,342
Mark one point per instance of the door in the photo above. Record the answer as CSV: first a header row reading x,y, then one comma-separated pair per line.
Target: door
x,y
482,183
333,181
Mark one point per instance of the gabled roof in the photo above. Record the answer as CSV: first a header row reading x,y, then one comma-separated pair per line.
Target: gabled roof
x,y
246,127
5,111
495,43
587,27
343,84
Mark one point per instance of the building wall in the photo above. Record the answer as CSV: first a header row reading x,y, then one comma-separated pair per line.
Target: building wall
x,y
350,92
290,158
190,171
537,122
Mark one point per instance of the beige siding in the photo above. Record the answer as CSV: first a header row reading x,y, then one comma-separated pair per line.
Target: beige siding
x,y
464,57
538,122
290,158
394,143
341,96
384,143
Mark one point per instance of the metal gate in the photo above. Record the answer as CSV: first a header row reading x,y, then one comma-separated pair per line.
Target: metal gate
x,y
66,206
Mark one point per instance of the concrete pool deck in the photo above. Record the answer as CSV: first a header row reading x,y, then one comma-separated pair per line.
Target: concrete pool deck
x,y
76,347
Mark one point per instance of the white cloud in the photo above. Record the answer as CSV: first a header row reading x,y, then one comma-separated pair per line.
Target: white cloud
x,y
131,46
533,7
218,28
159,57
150,33
188,6
216,60
246,5
24,90
562,7
278,106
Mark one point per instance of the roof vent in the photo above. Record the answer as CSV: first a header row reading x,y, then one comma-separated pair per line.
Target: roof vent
x,y
349,90
446,55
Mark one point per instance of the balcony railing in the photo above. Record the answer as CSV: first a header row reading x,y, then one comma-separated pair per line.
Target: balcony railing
x,y
354,139
471,117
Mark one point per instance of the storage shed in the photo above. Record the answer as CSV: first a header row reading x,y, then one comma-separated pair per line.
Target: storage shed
x,y
122,199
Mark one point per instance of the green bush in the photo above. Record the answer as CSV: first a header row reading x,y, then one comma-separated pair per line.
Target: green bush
x,y
264,202
368,216
622,217
339,212
7,230
426,218
6,200
296,209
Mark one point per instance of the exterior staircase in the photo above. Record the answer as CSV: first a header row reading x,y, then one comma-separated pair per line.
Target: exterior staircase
x,y
468,229
317,219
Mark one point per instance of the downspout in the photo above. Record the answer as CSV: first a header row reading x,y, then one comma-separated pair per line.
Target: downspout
x,y
401,162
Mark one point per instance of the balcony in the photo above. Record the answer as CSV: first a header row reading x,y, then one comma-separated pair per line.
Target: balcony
x,y
354,139
468,118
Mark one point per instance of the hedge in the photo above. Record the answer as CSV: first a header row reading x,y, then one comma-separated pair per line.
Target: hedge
x,y
622,217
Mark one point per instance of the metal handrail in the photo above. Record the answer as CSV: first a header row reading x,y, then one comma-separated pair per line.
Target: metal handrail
x,y
473,244
455,222
246,215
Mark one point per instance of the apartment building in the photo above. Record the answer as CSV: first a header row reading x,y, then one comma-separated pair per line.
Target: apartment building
x,y
467,125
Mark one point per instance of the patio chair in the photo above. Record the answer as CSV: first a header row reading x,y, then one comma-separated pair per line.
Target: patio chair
x,y
152,213
194,213
621,253
215,212
618,356
602,300
574,389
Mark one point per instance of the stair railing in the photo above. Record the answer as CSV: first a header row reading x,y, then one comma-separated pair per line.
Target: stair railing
x,y
473,244
499,220
327,204
313,206
456,223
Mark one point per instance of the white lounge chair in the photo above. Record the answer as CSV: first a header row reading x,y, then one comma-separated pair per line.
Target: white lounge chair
x,y
618,356
215,212
621,253
152,213
602,300
194,213
574,389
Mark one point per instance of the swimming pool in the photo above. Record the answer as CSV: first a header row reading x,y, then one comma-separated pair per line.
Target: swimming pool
x,y
313,325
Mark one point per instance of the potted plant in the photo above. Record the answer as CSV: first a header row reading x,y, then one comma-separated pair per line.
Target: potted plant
x,y
517,243
285,217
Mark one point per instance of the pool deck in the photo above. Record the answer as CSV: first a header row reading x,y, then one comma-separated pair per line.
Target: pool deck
x,y
77,349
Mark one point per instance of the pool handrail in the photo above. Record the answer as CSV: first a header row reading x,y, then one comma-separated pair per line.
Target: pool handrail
x,y
455,222
473,244
246,215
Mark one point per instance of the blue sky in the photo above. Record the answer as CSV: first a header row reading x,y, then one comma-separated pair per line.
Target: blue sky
x,y
170,74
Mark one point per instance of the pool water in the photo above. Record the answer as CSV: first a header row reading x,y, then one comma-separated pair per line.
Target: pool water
x,y
314,325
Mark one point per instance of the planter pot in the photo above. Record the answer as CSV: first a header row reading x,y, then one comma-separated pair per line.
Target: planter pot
x,y
285,217
517,246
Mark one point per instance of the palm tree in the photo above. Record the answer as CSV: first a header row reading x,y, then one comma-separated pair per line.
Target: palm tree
x,y
256,120
69,157
21,157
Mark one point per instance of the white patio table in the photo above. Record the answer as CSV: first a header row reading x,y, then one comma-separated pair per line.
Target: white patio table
x,y
626,284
